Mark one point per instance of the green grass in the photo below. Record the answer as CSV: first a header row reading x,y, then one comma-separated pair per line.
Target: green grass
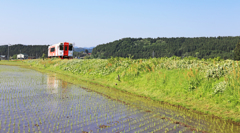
x,y
12,62
207,86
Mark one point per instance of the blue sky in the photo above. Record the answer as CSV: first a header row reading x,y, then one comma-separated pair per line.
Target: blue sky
x,y
93,22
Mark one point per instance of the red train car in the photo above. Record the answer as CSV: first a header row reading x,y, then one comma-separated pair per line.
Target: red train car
x,y
61,50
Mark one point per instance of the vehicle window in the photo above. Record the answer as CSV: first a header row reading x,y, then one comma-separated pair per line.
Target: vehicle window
x,y
70,47
65,47
61,47
52,49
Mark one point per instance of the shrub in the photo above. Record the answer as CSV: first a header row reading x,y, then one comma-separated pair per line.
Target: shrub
x,y
220,87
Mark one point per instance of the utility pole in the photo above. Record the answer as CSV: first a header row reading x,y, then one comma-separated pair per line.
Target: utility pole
x,y
43,53
8,52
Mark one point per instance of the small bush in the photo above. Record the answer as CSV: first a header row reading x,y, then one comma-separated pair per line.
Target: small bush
x,y
220,87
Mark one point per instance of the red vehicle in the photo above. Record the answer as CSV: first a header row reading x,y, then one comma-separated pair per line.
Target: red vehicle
x,y
61,50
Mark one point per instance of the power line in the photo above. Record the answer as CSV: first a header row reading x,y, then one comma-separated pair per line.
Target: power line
x,y
24,44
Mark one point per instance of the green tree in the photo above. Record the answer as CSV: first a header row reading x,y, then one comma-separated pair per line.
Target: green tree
x,y
237,52
43,56
87,57
14,56
86,51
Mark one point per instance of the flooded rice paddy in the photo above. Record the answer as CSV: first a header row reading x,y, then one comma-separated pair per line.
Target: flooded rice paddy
x,y
31,102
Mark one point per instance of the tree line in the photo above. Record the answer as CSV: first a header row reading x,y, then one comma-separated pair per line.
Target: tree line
x,y
200,47
31,50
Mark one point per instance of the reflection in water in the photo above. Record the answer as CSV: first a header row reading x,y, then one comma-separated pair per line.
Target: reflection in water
x,y
52,84
56,86
64,89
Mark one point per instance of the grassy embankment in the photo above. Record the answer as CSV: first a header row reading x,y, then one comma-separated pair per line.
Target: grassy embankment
x,y
207,86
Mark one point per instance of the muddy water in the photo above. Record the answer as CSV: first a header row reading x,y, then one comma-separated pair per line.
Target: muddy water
x,y
31,101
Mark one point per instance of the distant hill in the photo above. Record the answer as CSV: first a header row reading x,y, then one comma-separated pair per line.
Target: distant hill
x,y
88,47
201,47
79,49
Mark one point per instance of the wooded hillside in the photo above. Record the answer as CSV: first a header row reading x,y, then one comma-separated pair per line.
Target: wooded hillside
x,y
201,47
